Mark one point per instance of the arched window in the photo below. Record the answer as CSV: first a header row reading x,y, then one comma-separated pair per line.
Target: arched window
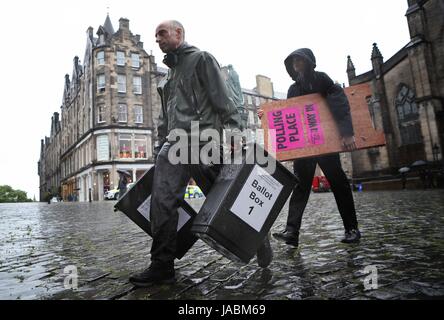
x,y
408,116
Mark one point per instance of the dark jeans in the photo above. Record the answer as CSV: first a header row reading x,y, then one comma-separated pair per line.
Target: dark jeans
x,y
169,186
331,166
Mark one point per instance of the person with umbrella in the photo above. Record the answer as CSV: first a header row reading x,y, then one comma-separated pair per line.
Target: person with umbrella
x,y
403,172
421,166
124,176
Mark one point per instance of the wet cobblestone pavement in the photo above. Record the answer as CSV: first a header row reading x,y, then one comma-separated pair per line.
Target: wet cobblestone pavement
x,y
402,237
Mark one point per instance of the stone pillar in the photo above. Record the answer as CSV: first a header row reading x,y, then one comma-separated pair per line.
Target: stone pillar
x,y
82,189
113,178
429,128
90,185
100,195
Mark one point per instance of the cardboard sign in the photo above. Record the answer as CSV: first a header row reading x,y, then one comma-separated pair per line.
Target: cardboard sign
x,y
257,198
304,126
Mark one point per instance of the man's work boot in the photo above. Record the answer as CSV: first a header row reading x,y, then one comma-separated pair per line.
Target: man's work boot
x,y
290,238
155,274
352,236
265,253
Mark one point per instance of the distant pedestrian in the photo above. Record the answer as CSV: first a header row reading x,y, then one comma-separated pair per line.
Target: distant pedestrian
x,y
404,180
124,176
423,178
430,179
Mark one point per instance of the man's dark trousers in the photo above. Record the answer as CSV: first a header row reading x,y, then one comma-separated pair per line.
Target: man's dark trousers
x,y
331,166
170,182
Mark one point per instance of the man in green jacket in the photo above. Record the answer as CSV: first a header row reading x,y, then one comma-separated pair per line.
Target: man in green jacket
x,y
193,92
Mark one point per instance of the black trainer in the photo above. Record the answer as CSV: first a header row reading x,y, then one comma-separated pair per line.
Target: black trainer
x,y
265,253
352,236
155,274
291,238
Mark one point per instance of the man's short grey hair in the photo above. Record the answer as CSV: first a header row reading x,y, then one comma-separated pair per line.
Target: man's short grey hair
x,y
177,25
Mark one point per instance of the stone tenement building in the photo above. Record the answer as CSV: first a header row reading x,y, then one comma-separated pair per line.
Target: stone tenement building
x,y
49,163
408,98
107,117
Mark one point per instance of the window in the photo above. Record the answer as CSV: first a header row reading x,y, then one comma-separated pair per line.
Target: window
x,y
135,62
249,100
101,83
410,133
101,114
251,117
121,83
140,147
258,101
125,146
137,85
101,58
120,58
122,113
102,148
408,116
138,114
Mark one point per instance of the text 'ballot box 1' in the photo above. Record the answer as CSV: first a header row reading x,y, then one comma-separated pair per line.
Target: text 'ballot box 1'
x,y
242,206
136,205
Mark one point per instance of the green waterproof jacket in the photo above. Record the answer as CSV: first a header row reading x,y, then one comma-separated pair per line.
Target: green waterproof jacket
x,y
194,90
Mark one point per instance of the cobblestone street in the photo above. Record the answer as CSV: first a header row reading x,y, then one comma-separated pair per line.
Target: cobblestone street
x,y
402,236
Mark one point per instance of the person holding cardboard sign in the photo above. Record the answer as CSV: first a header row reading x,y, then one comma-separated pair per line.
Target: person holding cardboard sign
x,y
301,66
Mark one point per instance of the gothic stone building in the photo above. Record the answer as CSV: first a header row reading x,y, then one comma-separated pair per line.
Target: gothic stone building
x,y
408,98
107,123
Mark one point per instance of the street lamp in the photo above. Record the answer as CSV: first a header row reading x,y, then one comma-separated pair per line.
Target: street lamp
x,y
435,151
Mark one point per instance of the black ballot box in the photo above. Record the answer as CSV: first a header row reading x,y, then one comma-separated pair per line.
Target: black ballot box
x,y
242,205
136,203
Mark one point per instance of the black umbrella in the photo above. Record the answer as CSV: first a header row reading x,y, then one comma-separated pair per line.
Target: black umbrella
x,y
419,163
124,172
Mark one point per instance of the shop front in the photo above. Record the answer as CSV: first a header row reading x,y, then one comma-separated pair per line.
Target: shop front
x,y
69,190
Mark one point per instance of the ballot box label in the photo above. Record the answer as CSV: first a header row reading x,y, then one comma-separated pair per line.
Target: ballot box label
x,y
145,208
312,121
288,131
257,198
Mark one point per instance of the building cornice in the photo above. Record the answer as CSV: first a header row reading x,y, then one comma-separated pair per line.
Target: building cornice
x,y
91,167
93,132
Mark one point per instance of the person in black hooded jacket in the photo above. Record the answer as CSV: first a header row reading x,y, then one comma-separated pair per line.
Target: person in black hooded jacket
x,y
301,66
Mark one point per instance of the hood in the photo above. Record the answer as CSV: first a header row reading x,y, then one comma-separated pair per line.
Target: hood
x,y
304,53
171,59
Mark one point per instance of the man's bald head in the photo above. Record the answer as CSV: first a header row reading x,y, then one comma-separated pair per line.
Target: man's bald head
x,y
170,35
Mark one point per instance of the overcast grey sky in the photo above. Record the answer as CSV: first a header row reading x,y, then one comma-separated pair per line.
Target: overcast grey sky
x,y
41,38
